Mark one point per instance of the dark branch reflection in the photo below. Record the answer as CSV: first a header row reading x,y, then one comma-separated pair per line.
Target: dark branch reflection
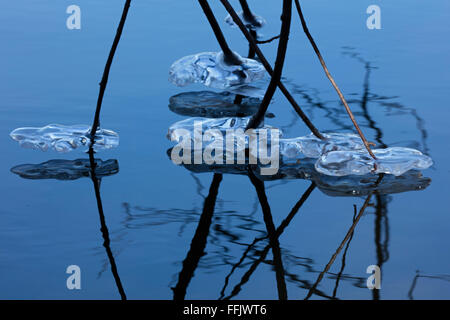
x,y
104,228
273,239
199,240
378,189
71,170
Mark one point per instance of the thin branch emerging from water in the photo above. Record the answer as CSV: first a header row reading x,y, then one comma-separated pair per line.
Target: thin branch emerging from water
x,y
278,68
269,69
105,76
229,56
322,62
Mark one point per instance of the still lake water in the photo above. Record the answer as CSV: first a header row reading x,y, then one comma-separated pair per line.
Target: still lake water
x,y
50,74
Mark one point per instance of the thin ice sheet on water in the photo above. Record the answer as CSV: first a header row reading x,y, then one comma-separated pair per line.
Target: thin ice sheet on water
x,y
212,104
312,147
66,169
254,23
63,138
210,69
395,160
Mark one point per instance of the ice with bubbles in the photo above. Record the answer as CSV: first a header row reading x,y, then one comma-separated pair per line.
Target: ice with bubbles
x,y
210,69
312,147
198,133
254,22
200,125
395,161
63,138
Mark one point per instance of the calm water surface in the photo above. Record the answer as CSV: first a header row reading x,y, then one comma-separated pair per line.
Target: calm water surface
x,y
396,79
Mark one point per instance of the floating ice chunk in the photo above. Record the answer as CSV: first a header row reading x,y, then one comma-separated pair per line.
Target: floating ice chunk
x,y
64,138
395,160
211,69
254,22
198,125
312,147
221,140
211,104
66,169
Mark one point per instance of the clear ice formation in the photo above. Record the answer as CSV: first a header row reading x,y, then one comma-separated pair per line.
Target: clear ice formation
x,y
64,138
254,23
340,154
349,186
198,133
395,160
177,130
312,147
211,104
210,69
66,169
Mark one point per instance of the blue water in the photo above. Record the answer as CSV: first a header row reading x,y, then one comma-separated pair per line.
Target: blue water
x,y
50,74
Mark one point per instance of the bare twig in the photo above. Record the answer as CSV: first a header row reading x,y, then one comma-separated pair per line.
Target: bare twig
x,y
105,76
268,40
322,62
229,56
246,9
278,68
269,69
